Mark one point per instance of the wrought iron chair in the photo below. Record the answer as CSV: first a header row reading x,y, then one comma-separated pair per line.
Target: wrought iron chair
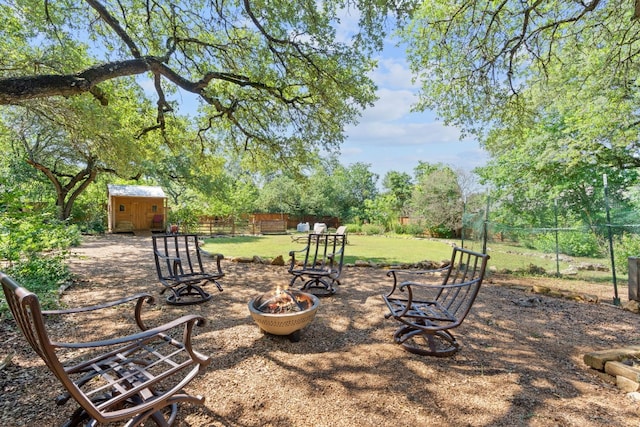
x,y
180,269
134,378
430,303
321,264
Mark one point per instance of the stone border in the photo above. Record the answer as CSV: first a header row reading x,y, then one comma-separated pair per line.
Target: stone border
x,y
618,366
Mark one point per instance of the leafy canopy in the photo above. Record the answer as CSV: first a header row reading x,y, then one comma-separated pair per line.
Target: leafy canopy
x,y
272,78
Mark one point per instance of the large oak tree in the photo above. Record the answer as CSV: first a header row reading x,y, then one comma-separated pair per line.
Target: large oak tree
x,y
272,77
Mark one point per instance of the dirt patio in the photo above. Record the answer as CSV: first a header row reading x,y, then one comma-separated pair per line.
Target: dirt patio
x,y
519,365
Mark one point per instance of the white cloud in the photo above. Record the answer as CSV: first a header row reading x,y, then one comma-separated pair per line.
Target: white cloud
x,y
402,134
391,105
393,73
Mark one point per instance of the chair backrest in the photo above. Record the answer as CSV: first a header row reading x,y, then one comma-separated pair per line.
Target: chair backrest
x,y
324,251
168,247
463,279
26,310
341,230
319,228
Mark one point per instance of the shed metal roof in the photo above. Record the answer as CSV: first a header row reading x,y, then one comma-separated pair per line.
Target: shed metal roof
x,y
135,191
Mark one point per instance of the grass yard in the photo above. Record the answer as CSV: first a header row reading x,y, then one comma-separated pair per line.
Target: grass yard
x,y
403,249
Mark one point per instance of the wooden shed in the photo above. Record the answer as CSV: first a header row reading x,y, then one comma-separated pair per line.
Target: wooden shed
x,y
136,208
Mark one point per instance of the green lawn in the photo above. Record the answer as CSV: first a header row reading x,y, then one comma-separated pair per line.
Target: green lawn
x,y
378,249
403,249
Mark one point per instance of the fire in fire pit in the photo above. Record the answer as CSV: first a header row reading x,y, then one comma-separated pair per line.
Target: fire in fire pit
x,y
284,312
283,302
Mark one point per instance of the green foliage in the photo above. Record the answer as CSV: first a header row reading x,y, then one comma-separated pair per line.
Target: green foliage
x,y
353,227
330,189
441,231
437,198
30,235
381,210
414,229
489,67
372,229
42,275
399,184
627,245
33,244
187,218
573,243
276,82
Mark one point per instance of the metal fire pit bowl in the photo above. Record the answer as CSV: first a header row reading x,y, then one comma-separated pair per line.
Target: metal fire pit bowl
x,y
289,323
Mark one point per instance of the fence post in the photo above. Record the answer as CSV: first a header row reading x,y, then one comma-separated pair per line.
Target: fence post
x,y
486,227
616,299
555,210
464,208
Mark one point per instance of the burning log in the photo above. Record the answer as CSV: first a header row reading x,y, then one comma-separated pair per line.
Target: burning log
x,y
283,302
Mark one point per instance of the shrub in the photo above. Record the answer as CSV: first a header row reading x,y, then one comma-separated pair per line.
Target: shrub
x,y
415,229
628,245
441,232
42,275
399,228
187,218
573,243
372,229
353,228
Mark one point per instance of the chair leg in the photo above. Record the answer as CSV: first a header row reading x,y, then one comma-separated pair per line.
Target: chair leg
x,y
319,287
181,295
427,343
170,409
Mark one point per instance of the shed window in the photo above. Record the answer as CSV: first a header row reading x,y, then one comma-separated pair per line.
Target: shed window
x,y
121,208
154,208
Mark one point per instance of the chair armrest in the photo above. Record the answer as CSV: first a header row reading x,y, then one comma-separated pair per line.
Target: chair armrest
x,y
431,286
292,254
190,319
395,273
138,339
138,298
417,272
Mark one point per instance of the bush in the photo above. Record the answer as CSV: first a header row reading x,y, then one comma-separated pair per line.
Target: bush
x,y
372,229
399,228
441,232
573,243
34,246
353,228
415,229
628,245
42,275
187,218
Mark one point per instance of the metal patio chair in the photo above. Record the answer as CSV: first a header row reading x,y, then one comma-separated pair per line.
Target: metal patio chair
x,y
133,378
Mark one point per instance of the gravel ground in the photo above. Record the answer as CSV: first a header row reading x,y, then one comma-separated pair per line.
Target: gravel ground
x,y
518,366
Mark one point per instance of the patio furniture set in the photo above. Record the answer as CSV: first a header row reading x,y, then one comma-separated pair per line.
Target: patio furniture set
x,y
141,377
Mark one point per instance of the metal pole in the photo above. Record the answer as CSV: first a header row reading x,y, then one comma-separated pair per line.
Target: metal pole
x,y
486,227
616,299
555,209
464,204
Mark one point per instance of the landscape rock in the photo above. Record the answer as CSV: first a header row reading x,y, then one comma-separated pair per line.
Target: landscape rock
x,y
242,260
279,260
632,306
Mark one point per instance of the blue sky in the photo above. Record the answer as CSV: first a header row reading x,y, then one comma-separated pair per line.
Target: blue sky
x,y
390,137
